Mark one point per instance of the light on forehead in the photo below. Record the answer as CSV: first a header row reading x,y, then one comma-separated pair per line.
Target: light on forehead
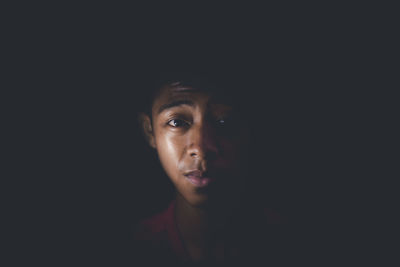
x,y
218,95
184,89
179,87
174,84
215,97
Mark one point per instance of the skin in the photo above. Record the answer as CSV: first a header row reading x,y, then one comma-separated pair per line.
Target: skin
x,y
202,134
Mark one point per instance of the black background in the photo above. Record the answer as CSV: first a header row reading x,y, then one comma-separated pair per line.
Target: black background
x,y
88,175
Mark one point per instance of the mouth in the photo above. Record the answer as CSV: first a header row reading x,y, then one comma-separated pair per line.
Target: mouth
x,y
198,178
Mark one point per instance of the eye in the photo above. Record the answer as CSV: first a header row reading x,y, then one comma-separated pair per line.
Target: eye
x,y
226,126
224,122
221,122
177,123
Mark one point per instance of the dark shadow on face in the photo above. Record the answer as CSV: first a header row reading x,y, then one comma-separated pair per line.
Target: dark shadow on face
x,y
200,143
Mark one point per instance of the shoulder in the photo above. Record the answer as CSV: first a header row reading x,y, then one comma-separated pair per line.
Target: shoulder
x,y
149,228
261,215
271,216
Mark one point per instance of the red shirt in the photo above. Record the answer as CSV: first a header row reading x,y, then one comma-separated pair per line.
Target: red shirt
x,y
158,237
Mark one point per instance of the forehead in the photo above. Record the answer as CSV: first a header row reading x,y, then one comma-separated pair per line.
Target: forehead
x,y
198,96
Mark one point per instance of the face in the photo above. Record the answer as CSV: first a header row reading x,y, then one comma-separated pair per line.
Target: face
x,y
200,142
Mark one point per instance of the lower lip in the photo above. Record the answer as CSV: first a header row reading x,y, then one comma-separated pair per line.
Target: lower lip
x,y
199,181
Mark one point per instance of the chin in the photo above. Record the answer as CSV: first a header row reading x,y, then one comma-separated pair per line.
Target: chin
x,y
198,201
204,200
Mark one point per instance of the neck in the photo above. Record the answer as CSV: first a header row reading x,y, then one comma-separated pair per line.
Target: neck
x,y
197,225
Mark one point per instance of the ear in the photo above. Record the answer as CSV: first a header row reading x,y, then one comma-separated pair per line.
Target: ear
x,y
147,128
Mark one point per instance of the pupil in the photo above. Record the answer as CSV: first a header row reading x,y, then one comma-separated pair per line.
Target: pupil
x,y
178,123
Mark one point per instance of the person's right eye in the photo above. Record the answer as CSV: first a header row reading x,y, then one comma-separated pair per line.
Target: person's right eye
x,y
177,123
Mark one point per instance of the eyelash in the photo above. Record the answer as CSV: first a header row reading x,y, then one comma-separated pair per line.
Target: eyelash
x,y
180,120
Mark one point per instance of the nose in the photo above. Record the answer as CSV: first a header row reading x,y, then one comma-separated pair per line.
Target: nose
x,y
203,143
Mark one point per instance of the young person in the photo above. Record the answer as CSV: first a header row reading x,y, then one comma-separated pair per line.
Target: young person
x,y
199,130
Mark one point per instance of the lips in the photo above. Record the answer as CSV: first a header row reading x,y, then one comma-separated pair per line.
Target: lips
x,y
198,178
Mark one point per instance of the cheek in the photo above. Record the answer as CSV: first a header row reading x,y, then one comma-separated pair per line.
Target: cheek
x,y
233,153
169,153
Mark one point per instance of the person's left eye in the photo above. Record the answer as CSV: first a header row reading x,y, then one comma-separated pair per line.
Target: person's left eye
x,y
221,122
226,124
225,121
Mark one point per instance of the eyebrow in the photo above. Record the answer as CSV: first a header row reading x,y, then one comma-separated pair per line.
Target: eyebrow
x,y
175,104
